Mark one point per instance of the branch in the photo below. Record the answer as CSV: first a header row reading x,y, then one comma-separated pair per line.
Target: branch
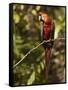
x,y
34,49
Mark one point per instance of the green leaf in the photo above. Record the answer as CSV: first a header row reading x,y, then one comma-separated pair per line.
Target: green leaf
x,y
16,17
38,69
42,65
31,79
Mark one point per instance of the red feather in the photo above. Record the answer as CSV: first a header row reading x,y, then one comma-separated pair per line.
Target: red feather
x,y
46,31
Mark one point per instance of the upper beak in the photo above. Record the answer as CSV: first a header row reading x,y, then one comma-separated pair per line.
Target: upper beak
x,y
40,18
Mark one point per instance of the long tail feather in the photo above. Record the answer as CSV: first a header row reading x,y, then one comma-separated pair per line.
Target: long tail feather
x,y
47,61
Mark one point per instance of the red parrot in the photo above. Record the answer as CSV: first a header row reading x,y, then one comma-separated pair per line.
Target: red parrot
x,y
47,33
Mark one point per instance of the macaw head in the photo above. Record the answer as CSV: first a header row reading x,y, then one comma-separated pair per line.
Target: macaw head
x,y
44,17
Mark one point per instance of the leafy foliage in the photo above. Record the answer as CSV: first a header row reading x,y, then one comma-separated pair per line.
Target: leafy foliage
x,y
31,79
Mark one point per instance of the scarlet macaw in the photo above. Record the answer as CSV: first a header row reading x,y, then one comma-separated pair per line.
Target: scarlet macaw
x,y
47,33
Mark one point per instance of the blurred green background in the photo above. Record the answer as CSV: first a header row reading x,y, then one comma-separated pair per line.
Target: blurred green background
x,y
26,35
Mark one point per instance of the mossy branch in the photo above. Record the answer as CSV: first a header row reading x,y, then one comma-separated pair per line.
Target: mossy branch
x,y
34,49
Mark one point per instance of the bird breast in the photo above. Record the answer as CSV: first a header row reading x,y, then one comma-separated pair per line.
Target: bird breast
x,y
47,31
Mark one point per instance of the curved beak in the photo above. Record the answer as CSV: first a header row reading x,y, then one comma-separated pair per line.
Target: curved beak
x,y
40,18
